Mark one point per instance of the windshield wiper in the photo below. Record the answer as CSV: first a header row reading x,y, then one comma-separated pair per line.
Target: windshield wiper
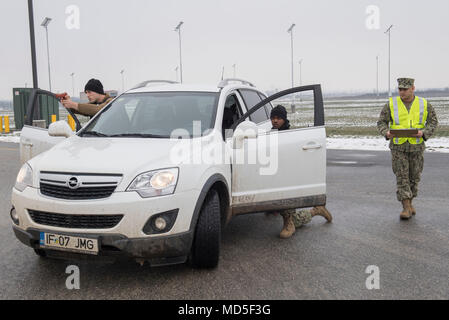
x,y
138,135
93,133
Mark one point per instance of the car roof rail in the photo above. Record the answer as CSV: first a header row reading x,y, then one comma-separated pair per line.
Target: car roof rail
x,y
145,83
225,82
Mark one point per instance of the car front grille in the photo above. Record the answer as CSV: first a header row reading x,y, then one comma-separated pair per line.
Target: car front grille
x,y
63,192
78,186
75,221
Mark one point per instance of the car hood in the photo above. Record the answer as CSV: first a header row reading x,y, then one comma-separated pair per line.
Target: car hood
x,y
107,155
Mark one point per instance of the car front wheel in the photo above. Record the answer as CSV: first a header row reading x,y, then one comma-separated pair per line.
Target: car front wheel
x,y
206,244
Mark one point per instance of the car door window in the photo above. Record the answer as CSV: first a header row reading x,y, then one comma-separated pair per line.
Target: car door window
x,y
268,106
252,98
231,113
316,106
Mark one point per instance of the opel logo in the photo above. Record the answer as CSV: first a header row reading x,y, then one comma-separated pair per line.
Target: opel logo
x,y
73,183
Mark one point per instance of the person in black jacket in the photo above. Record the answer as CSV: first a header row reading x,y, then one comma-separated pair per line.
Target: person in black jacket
x,y
292,218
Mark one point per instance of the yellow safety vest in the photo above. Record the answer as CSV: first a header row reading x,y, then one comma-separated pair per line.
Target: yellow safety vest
x,y
402,119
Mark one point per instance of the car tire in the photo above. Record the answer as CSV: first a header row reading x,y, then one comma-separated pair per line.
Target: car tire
x,y
205,251
41,253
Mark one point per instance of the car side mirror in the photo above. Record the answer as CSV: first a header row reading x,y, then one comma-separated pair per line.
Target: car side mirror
x,y
60,129
245,130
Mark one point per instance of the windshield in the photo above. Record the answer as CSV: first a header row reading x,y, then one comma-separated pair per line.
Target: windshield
x,y
156,114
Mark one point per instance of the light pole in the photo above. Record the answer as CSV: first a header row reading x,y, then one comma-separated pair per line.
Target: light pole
x,y
300,77
233,66
178,28
290,30
123,80
73,84
389,58
32,43
45,25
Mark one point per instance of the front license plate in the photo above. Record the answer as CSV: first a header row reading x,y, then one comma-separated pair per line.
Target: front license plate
x,y
69,243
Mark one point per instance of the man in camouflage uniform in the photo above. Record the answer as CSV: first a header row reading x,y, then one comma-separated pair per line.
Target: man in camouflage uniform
x,y
407,154
293,219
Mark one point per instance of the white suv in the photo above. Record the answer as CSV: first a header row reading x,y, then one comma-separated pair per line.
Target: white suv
x,y
158,172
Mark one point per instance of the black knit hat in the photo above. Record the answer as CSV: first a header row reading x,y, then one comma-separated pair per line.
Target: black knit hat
x,y
279,111
95,86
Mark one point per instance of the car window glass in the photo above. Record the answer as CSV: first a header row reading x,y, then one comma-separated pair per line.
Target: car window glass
x,y
130,107
300,113
251,98
267,106
231,113
158,113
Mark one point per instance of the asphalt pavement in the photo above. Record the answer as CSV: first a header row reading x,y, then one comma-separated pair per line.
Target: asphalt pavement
x,y
321,261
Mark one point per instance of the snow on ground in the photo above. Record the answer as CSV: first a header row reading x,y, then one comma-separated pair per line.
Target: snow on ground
x,y
10,138
380,144
336,142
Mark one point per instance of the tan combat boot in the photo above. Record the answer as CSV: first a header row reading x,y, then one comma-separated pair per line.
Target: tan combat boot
x,y
412,208
289,227
321,211
407,210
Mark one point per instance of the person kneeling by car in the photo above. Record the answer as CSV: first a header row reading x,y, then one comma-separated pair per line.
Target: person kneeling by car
x,y
294,219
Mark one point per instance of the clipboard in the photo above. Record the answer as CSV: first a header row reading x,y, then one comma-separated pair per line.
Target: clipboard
x,y
403,133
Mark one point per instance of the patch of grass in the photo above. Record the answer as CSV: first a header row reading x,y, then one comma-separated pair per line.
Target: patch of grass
x,y
351,131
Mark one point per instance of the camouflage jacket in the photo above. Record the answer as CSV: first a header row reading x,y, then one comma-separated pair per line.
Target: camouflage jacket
x,y
383,125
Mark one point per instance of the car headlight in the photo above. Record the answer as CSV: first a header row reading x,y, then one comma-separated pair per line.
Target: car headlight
x,y
24,178
155,183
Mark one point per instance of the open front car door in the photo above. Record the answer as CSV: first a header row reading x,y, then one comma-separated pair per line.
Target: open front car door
x,y
276,170
35,140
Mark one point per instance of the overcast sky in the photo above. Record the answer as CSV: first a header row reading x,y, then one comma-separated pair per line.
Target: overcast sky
x,y
332,37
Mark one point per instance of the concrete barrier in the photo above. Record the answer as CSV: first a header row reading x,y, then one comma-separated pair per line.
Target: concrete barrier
x,y
39,123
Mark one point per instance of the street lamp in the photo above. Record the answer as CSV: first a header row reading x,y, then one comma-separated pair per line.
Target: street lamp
x,y
123,80
73,84
45,25
389,58
178,28
290,30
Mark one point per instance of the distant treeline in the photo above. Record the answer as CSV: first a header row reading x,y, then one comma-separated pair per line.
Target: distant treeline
x,y
6,104
428,93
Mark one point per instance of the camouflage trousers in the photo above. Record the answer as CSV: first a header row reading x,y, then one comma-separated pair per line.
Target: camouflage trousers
x,y
299,217
407,166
